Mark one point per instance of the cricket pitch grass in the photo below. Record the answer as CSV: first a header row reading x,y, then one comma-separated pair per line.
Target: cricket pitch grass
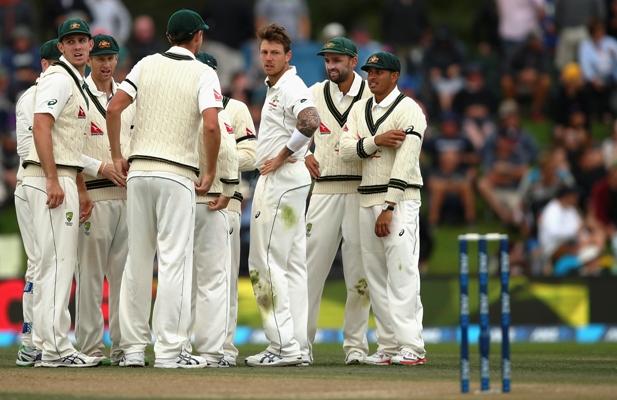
x,y
539,371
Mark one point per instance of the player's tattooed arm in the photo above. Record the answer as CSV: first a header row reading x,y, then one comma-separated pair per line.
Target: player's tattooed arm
x,y
308,121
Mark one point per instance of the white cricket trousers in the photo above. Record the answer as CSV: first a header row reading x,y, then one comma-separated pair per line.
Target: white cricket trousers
x,y
391,265
234,228
55,232
330,219
31,294
161,220
211,274
102,253
277,258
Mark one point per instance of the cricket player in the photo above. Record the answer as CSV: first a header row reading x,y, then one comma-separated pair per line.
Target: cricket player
x,y
103,237
385,131
244,132
174,93
212,253
333,209
277,255
51,181
24,110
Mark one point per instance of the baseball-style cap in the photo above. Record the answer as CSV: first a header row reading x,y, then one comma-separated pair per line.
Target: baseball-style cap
x,y
383,60
339,45
73,26
207,59
104,45
184,23
49,50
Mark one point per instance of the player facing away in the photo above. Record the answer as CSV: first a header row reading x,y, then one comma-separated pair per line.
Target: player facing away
x,y
277,255
333,209
52,179
174,93
212,252
30,348
385,131
103,237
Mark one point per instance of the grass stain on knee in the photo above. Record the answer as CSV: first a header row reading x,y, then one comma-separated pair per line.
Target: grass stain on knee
x,y
289,217
264,295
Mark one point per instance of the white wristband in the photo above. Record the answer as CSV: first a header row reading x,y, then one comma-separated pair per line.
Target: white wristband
x,y
297,141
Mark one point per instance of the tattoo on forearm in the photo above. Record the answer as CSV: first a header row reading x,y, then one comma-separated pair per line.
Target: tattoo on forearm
x,y
308,121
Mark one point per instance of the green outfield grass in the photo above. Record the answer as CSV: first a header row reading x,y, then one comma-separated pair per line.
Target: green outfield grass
x,y
544,371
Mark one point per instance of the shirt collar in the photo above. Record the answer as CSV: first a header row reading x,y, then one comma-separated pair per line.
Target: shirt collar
x,y
388,100
95,91
353,90
181,51
291,72
75,71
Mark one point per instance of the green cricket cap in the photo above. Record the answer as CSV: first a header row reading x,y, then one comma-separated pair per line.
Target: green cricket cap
x,y
49,50
104,45
383,60
73,26
207,59
184,23
339,45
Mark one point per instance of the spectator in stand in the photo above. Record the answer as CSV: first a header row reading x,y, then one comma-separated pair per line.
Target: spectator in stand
x,y
528,73
404,23
56,11
611,19
111,17
292,14
477,104
363,39
571,19
450,183
598,59
144,40
506,158
232,25
21,61
603,205
569,244
485,36
7,140
443,61
517,20
13,14
609,148
570,97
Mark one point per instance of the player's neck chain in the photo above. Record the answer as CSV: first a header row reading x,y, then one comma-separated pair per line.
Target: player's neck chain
x,y
340,118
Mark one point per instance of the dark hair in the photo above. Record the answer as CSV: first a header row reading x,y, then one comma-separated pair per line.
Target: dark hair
x,y
180,38
594,25
275,33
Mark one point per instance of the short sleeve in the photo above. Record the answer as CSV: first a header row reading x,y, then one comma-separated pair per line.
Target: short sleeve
x,y
298,97
209,91
129,85
52,93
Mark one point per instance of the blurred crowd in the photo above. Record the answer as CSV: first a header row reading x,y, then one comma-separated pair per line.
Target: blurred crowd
x,y
549,63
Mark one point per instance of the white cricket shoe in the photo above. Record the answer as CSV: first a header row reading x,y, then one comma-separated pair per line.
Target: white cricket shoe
x,y
220,363
135,360
268,359
73,360
378,358
354,357
407,357
184,360
231,360
26,356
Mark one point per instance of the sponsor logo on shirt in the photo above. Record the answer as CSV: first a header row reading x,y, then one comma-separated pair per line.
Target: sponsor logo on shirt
x,y
81,114
217,95
323,129
345,128
249,132
52,102
95,130
229,128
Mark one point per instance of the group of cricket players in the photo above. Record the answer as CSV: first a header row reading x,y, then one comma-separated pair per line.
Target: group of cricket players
x,y
116,178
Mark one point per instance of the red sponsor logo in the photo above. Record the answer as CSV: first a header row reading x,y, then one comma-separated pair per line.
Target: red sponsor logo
x,y
95,130
81,114
345,128
323,129
229,128
249,132
217,95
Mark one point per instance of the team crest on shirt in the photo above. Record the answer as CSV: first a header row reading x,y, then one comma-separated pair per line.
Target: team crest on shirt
x,y
274,102
309,228
95,130
228,128
69,218
217,95
81,114
87,226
